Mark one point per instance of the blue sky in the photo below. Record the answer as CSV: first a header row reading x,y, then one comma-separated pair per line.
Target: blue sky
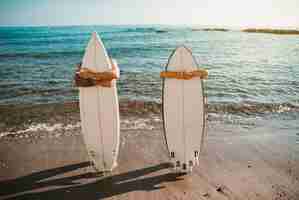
x,y
248,13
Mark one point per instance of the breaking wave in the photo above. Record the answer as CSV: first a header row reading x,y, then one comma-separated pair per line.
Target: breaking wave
x,y
248,108
42,130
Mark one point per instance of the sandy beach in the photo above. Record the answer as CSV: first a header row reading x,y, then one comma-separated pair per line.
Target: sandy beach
x,y
45,158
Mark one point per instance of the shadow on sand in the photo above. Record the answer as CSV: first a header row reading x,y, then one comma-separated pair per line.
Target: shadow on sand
x,y
101,187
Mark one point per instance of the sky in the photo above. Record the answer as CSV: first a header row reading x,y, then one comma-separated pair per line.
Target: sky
x,y
234,13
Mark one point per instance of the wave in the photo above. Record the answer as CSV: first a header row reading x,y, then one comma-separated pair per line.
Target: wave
x,y
252,108
41,54
43,130
148,106
47,130
40,34
142,30
55,54
59,119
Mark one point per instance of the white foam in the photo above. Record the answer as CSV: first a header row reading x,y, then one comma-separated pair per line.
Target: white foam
x,y
282,109
41,127
126,124
135,124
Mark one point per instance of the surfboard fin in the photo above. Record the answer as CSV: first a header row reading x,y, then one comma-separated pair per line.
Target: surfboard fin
x,y
184,166
172,154
196,155
172,160
176,165
190,166
97,171
190,163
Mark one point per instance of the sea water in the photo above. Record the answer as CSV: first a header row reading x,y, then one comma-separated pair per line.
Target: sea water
x,y
249,73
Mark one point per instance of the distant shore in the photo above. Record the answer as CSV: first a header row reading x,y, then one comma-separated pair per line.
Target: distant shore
x,y
254,30
211,29
273,31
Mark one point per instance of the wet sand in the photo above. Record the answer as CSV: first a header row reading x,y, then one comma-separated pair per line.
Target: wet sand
x,y
237,163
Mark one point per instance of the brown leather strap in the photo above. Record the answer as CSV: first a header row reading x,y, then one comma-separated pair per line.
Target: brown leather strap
x,y
99,76
185,75
103,79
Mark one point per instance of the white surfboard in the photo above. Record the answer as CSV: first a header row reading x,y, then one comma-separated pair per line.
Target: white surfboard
x,y
99,110
183,112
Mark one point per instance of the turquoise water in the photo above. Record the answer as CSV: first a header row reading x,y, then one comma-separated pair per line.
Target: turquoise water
x,y
259,71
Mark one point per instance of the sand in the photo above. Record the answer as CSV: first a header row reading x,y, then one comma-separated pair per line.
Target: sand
x,y
237,162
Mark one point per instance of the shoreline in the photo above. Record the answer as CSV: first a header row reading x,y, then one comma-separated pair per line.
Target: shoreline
x,y
20,116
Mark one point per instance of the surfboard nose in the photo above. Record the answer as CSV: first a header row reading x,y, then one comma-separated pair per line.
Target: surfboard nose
x,y
96,37
94,34
182,49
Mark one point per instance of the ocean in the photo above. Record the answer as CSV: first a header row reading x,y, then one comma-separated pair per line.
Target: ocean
x,y
250,74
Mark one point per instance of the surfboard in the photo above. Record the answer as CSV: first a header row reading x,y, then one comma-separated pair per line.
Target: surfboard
x,y
99,110
183,112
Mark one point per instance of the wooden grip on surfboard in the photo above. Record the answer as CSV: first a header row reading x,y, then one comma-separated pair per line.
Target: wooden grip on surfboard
x,y
97,78
185,75
86,77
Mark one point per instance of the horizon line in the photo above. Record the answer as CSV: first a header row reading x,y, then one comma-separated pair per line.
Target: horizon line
x,y
179,25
